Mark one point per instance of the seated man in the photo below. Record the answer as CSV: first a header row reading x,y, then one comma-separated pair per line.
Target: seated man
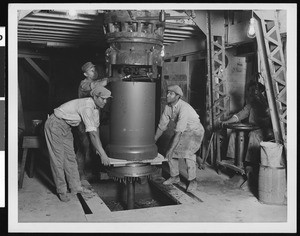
x,y
257,112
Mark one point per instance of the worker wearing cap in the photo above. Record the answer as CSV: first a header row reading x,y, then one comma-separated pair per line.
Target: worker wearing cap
x,y
187,139
83,154
91,79
59,138
257,112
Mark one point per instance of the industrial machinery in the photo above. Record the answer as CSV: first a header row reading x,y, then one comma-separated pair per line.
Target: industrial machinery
x,y
134,59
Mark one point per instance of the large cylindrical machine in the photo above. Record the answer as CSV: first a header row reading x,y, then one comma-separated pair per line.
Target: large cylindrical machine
x,y
132,122
134,57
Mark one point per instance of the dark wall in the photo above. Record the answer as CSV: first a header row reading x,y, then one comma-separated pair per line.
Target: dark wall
x,y
38,97
33,88
197,87
66,73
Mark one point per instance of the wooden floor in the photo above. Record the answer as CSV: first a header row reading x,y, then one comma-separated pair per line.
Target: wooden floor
x,y
221,201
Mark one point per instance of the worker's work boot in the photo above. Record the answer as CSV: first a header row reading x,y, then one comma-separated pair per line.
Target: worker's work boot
x,y
172,180
192,186
63,197
85,192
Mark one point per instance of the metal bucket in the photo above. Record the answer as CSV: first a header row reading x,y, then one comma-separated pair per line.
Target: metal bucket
x,y
132,121
272,185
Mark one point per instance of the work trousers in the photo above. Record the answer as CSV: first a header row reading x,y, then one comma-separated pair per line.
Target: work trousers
x,y
59,139
253,149
83,154
186,148
191,168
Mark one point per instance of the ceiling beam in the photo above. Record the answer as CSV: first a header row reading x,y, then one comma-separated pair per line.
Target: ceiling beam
x,y
55,32
38,69
68,26
62,21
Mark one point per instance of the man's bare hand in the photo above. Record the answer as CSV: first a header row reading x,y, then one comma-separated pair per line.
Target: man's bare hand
x,y
105,161
169,155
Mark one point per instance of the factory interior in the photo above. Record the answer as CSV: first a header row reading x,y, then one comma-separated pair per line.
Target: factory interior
x,y
212,55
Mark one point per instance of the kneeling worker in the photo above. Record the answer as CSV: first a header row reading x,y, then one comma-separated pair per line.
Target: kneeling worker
x,y
187,139
59,138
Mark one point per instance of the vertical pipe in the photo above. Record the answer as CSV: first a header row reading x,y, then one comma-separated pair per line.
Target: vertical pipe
x,y
130,194
239,148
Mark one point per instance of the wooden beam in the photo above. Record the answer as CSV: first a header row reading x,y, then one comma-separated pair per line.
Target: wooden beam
x,y
185,47
22,53
200,20
37,68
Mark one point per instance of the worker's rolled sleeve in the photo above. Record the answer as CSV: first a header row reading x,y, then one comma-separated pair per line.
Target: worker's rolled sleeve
x,y
164,119
244,113
90,118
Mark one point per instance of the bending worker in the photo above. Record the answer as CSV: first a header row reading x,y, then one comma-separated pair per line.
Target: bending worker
x,y
187,139
257,112
59,138
92,79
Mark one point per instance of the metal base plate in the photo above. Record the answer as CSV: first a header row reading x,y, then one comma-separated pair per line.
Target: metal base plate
x,y
132,170
120,162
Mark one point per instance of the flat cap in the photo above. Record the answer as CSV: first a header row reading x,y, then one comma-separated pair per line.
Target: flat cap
x,y
176,89
87,66
100,91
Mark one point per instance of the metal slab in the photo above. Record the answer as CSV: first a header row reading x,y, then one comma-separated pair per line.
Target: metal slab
x,y
156,161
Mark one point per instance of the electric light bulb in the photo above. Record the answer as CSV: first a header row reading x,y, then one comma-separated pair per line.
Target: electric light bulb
x,y
251,30
72,14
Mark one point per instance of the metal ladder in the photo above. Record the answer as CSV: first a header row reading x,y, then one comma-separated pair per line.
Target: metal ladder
x,y
218,101
272,58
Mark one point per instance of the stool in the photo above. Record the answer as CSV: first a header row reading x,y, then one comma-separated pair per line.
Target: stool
x,y
29,142
240,129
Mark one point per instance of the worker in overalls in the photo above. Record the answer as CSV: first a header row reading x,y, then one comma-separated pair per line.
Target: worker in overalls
x,y
93,78
59,139
257,112
187,139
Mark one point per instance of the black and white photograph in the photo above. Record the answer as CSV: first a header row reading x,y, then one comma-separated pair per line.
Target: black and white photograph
x,y
152,117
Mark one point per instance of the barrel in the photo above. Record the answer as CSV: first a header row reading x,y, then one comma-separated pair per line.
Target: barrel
x,y
132,121
271,154
272,185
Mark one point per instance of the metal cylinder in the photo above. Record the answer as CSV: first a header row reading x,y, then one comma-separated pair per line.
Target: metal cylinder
x,y
132,121
130,194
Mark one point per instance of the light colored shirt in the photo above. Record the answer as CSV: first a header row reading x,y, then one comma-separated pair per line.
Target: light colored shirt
x,y
184,116
77,110
247,112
